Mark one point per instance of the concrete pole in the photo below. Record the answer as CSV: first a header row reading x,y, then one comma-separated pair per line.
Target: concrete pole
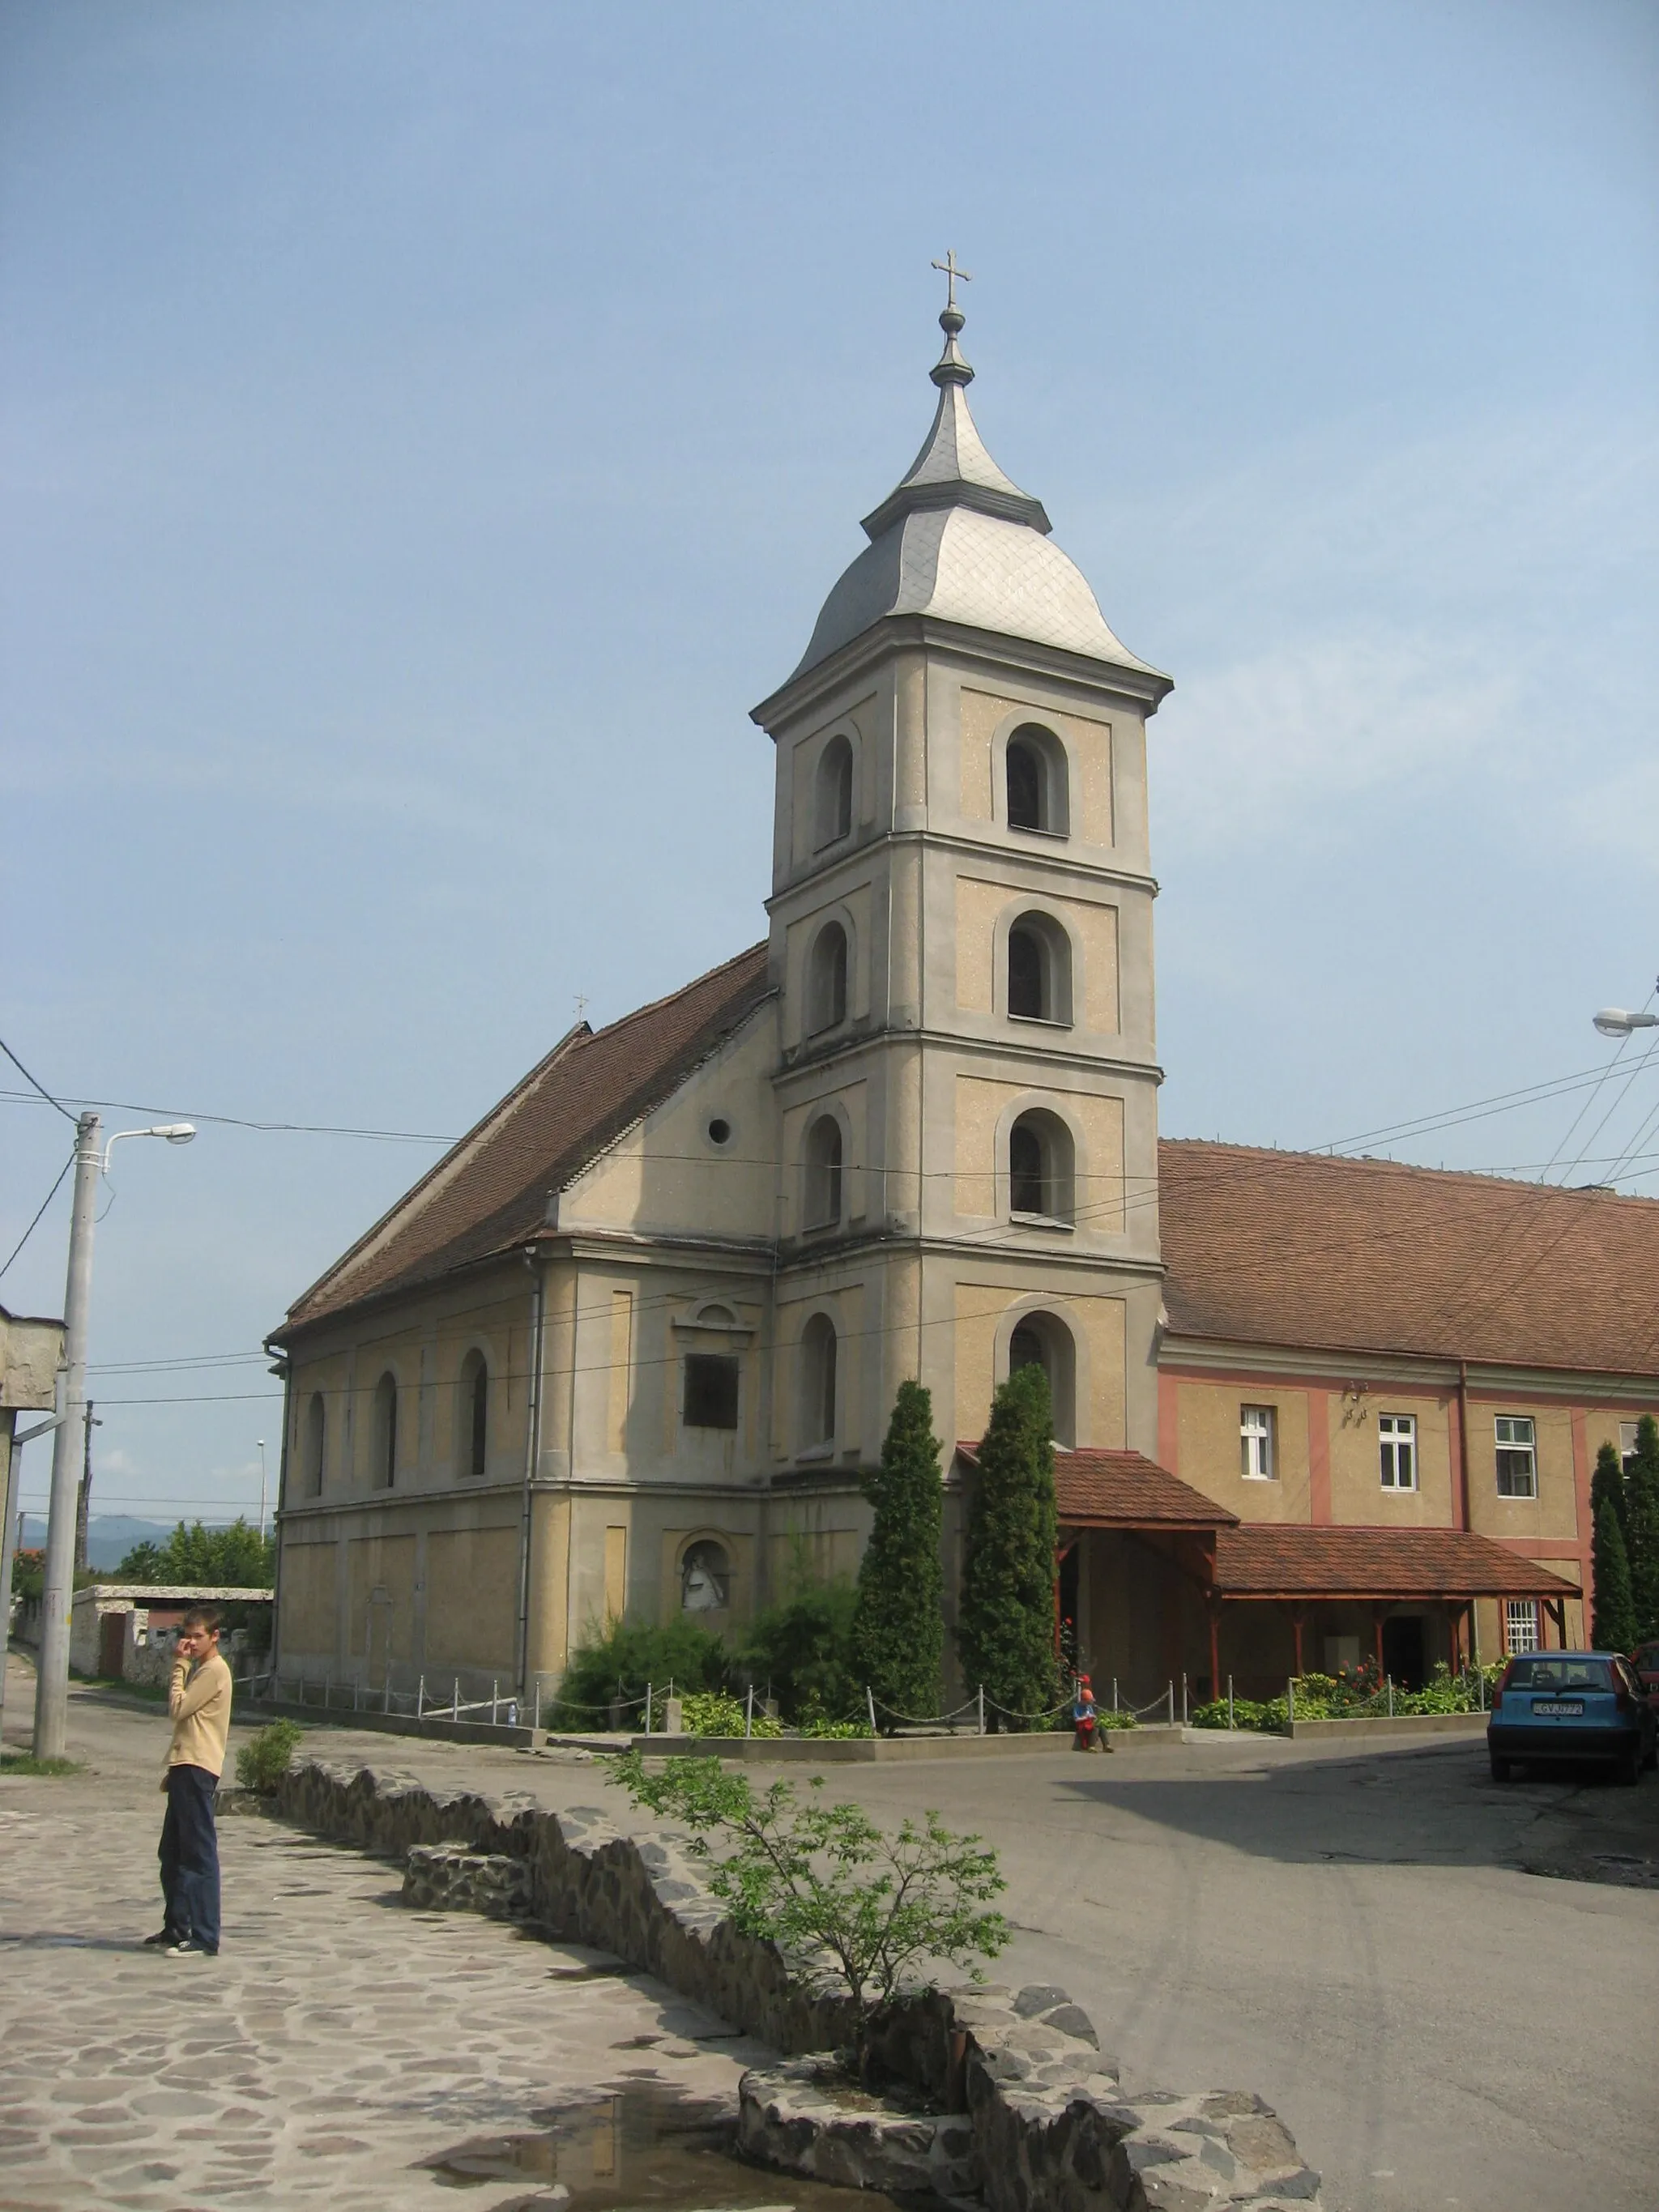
x,y
52,1685
11,1459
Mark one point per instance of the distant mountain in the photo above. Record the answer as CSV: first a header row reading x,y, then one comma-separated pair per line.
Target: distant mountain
x,y
110,1536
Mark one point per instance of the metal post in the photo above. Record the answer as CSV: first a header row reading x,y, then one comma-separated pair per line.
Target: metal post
x,y
1115,1693
1172,1705
870,1700
1183,1696
749,1714
1390,1679
455,1700
51,1684
495,1699
1230,1701
386,1687
420,1697
647,1706
981,1708
537,1721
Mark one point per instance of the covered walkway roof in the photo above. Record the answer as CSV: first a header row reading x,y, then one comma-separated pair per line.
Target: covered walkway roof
x,y
1124,1490
1268,1560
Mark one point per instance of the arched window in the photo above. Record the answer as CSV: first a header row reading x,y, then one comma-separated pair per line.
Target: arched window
x,y
1042,1339
705,1578
818,1380
832,817
1040,1167
383,1472
826,981
823,1194
316,1444
1035,766
1039,970
472,1414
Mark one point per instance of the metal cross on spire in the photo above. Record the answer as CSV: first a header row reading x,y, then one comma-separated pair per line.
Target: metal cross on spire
x,y
948,270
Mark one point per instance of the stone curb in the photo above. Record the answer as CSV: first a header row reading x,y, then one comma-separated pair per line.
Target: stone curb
x,y
1020,2074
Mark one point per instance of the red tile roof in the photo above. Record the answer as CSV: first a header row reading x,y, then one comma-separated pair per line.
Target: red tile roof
x,y
1123,1490
1298,1248
490,1192
1274,1560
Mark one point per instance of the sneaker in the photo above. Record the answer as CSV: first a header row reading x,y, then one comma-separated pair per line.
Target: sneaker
x,y
163,1940
189,1949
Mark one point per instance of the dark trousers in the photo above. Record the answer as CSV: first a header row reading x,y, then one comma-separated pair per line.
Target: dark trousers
x,y
189,1856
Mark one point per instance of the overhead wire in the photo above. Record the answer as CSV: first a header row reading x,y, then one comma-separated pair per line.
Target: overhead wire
x,y
39,1213
35,1081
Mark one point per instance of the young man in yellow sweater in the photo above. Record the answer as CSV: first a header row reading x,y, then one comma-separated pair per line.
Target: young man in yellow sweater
x,y
198,1705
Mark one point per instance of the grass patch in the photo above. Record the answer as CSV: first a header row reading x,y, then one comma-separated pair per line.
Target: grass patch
x,y
24,1762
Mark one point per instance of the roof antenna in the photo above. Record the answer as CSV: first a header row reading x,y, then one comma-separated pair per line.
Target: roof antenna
x,y
581,1005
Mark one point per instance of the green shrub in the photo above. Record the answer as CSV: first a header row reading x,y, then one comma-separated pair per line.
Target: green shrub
x,y
620,1663
801,1650
236,1558
855,1911
1108,1719
264,1758
1248,1713
712,1712
816,1727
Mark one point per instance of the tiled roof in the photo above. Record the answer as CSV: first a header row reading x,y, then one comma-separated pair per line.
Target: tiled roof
x,y
1274,1560
1298,1248
1124,1490
490,1191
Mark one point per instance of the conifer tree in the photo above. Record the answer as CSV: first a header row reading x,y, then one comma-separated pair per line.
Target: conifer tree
x,y
1642,1528
1007,1623
1608,1485
898,1627
1612,1627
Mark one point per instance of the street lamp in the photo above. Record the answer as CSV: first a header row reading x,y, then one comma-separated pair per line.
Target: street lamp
x,y
1614,1022
52,1682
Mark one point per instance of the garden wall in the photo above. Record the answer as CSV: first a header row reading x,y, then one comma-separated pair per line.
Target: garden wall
x,y
1051,2131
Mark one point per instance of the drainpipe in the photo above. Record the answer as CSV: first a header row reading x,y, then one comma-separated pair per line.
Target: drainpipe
x,y
282,1499
1463,1440
532,1460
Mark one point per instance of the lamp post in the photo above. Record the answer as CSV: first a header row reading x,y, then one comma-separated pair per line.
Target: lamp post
x,y
51,1684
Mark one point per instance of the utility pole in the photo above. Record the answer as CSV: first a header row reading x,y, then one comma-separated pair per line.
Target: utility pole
x,y
83,1498
261,1489
51,1685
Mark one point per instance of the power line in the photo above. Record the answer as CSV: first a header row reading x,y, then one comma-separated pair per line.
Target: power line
x,y
35,1081
44,1203
230,1121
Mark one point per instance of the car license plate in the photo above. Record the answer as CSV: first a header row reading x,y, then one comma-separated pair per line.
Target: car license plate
x,y
1560,1708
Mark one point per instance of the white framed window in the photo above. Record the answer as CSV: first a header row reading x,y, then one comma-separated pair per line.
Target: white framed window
x,y
1520,1624
1518,1457
1396,1436
1627,1445
1255,1443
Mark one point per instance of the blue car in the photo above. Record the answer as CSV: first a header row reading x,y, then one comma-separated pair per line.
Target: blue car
x,y
1571,1705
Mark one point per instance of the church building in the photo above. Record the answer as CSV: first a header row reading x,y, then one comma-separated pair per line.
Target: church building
x,y
627,1350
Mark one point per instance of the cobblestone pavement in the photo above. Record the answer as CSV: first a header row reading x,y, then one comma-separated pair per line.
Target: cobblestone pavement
x,y
338,2041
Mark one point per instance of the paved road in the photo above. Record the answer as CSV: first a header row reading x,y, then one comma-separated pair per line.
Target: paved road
x,y
1354,1936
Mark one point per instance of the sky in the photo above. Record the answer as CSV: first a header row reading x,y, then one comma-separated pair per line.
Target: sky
x,y
427,430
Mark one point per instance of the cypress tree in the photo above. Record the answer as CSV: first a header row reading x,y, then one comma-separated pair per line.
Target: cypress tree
x,y
898,1626
1612,1627
1642,1528
1607,1488
1007,1622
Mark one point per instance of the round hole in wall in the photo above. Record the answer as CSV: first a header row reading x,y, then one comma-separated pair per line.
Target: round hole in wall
x,y
719,1131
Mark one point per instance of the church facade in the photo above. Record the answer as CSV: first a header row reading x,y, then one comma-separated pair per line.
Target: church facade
x,y
627,1350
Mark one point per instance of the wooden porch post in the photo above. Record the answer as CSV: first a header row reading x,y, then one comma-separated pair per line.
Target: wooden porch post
x,y
1215,1645
1377,1638
1296,1631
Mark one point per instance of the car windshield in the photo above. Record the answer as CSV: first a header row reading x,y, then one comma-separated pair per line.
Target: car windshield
x,y
1560,1674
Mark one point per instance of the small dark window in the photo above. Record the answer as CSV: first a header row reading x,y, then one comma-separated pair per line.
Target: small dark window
x,y
480,1438
1027,1181
711,1391
835,794
824,1173
316,1444
386,1432
818,1380
719,1131
1025,786
826,997
1026,1350
1028,975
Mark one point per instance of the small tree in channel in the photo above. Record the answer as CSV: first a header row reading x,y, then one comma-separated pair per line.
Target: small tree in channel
x,y
1007,1631
898,1628
1641,1530
1612,1627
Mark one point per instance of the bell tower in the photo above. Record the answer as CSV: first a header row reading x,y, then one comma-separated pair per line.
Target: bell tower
x,y
962,933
